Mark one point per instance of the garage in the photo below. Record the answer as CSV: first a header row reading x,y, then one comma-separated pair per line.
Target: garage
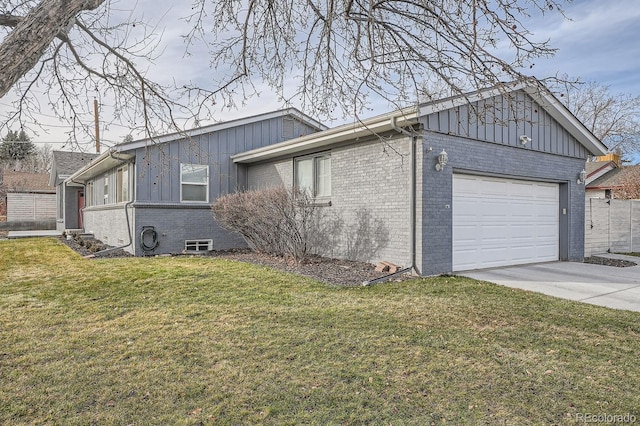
x,y
500,222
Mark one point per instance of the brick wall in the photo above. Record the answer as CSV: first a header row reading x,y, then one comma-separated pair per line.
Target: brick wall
x,y
175,223
368,219
471,156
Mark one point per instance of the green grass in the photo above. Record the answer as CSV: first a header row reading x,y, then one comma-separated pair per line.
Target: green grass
x,y
210,341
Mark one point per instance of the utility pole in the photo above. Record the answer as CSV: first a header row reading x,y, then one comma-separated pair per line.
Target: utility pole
x,y
97,122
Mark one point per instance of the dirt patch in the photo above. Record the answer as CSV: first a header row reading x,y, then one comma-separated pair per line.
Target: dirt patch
x,y
620,263
86,246
333,271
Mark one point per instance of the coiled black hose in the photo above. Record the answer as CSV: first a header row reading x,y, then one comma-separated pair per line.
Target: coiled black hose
x,y
146,231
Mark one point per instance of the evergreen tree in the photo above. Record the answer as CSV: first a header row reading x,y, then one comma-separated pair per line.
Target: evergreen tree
x,y
16,147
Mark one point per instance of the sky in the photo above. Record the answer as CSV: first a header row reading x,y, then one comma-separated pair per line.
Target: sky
x,y
598,41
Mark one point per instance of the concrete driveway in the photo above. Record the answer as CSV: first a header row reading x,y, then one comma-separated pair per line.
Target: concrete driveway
x,y
609,286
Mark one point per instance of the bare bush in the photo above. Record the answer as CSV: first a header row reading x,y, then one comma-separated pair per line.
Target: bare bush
x,y
275,220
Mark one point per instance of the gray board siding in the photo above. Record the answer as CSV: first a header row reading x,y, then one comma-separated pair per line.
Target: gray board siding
x,y
503,120
158,166
156,183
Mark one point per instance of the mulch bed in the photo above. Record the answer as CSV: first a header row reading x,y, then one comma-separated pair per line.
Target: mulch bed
x,y
333,271
597,260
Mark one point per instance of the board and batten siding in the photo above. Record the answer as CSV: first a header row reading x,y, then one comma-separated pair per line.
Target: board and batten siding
x,y
503,120
158,167
30,206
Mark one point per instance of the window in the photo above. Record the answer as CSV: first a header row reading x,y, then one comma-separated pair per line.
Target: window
x,y
194,183
122,184
313,174
88,199
106,190
198,245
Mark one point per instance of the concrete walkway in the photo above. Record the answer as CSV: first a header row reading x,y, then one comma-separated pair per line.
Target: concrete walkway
x,y
30,234
609,286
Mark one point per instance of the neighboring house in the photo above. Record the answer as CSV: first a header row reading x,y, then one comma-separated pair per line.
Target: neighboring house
x,y
69,194
154,196
613,181
29,199
488,179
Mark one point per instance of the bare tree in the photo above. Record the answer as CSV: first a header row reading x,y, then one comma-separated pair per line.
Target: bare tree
x,y
330,57
70,49
628,187
614,118
340,53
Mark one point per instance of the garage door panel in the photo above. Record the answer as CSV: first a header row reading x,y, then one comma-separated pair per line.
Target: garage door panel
x,y
498,222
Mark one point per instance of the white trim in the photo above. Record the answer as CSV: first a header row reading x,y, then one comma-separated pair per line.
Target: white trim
x,y
207,243
376,125
127,146
206,184
410,116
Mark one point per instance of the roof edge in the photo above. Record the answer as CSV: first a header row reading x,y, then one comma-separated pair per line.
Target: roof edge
x,y
374,125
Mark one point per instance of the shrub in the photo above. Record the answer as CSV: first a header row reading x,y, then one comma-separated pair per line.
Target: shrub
x,y
274,220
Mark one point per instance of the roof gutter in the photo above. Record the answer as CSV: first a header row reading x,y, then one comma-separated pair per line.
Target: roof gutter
x,y
348,132
101,164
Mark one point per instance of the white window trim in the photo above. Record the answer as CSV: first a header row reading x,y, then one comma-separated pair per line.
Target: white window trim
x,y
124,182
314,171
195,183
203,245
88,194
105,190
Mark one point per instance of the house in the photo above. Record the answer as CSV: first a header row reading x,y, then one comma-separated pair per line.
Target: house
x,y
488,179
28,199
154,196
608,179
69,194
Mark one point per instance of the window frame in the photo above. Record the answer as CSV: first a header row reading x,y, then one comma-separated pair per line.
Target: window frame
x,y
122,184
105,189
182,183
88,194
198,246
315,172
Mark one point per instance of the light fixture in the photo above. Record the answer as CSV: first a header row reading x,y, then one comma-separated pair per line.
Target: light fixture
x,y
582,177
524,139
443,157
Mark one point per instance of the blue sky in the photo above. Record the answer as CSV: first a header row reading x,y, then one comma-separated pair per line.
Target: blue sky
x,y
599,41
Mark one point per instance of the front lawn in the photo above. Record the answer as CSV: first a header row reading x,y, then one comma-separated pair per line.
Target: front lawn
x,y
211,341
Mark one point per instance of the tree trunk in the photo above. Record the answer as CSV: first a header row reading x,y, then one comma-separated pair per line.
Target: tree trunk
x,y
23,47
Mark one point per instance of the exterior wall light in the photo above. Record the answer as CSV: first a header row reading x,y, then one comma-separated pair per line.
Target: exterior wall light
x,y
582,177
524,139
443,158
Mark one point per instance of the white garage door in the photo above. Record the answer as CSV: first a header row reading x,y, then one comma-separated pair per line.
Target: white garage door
x,y
499,222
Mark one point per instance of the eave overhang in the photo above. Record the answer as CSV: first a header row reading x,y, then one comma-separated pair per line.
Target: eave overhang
x,y
106,161
348,132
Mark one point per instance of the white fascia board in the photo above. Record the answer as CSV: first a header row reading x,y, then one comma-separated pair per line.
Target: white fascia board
x,y
128,146
466,99
105,161
550,103
600,172
562,115
346,132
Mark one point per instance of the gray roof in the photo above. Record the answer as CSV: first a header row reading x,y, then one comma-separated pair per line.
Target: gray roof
x,y
65,163
616,178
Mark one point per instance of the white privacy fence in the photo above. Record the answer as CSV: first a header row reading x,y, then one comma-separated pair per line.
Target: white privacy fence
x,y
611,225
